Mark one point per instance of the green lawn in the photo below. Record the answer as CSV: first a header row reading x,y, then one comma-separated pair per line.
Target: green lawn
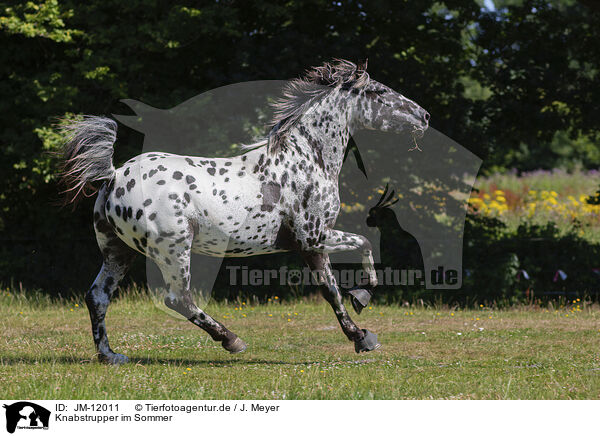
x,y
297,351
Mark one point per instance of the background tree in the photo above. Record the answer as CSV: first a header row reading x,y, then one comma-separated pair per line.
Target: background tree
x,y
509,84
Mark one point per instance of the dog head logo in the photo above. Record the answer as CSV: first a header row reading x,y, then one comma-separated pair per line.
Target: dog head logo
x,y
26,415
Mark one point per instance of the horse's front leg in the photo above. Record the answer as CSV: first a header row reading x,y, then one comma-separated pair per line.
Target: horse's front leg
x,y
333,241
320,266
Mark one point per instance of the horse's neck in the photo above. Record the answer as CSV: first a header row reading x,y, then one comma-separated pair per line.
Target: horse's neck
x,y
325,134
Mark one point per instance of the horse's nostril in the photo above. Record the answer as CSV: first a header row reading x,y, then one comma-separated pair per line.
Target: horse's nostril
x,y
427,116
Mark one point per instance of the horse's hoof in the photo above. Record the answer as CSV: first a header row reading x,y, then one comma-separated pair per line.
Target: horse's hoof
x,y
359,298
367,343
113,358
235,346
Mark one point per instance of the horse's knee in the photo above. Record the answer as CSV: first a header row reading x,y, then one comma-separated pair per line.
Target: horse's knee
x,y
365,244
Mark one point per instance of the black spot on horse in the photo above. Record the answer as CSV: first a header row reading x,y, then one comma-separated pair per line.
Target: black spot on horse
x,y
271,192
120,192
177,175
306,196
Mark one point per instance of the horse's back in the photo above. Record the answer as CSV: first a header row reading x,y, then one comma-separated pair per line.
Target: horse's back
x,y
163,200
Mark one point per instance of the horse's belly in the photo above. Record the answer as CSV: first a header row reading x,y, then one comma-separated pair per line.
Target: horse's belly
x,y
241,240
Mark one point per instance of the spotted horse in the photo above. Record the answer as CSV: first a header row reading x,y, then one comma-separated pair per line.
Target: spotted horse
x,y
280,195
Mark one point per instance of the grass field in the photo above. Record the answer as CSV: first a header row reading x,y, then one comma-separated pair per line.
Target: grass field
x,y
297,351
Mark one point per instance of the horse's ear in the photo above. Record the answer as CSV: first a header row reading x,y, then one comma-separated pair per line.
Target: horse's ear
x,y
362,65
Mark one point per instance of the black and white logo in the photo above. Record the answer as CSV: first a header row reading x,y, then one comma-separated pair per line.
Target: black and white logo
x,y
26,415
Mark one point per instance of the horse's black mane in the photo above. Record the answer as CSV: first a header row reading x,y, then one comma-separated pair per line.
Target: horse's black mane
x,y
299,94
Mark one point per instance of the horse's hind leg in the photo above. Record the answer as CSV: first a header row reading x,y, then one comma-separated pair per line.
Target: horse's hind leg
x,y
117,258
184,304
319,263
177,277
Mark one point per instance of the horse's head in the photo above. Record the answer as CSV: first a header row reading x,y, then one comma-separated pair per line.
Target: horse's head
x,y
378,107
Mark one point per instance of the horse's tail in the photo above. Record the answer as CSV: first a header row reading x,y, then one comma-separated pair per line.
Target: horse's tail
x,y
86,156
